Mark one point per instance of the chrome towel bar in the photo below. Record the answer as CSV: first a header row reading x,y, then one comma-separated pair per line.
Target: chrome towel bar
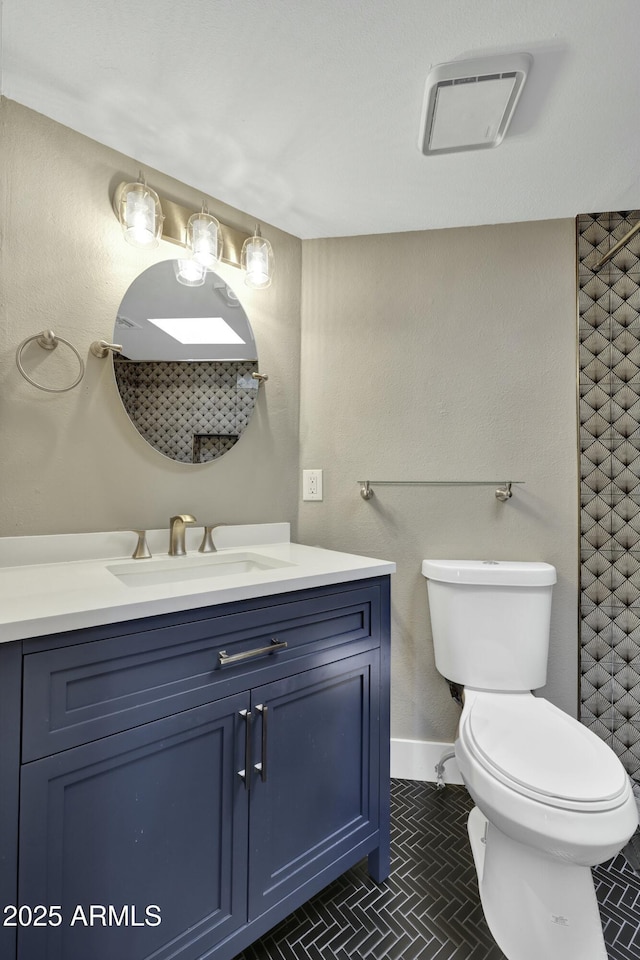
x,y
503,487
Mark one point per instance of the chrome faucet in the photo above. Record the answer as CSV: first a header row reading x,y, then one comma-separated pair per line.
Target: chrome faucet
x,y
176,533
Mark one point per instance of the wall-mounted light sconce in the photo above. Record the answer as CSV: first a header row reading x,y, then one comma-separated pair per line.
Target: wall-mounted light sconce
x,y
140,214
146,217
203,239
257,261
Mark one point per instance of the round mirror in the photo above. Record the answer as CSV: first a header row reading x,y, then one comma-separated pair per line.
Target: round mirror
x,y
185,372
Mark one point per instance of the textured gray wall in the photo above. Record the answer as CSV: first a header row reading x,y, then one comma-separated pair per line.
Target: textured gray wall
x,y
440,355
445,355
72,462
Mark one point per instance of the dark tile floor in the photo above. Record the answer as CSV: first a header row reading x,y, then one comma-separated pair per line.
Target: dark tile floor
x,y
618,892
429,907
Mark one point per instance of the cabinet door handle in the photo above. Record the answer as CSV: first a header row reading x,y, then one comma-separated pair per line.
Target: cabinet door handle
x,y
262,766
246,773
225,658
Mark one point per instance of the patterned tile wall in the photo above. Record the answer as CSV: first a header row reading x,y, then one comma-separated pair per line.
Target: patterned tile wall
x,y
191,412
609,392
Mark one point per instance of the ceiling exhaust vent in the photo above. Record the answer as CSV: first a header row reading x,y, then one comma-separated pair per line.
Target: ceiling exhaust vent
x,y
468,104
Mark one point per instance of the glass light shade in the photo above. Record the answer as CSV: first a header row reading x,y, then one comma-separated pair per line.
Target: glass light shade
x,y
204,239
140,215
257,262
189,273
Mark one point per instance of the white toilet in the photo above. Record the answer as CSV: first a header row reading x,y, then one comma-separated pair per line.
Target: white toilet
x,y
552,799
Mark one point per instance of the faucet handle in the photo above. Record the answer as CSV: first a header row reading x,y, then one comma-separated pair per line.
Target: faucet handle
x,y
141,551
207,545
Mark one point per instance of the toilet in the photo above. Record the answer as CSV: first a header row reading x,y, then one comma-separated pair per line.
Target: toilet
x,y
551,798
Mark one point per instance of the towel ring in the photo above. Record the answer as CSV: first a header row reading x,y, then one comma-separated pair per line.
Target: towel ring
x,y
48,341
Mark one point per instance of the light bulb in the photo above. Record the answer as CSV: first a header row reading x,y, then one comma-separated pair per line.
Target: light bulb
x,y
204,239
257,261
140,215
189,273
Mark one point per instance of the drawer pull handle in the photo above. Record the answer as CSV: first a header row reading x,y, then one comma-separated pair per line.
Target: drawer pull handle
x,y
225,658
245,774
262,766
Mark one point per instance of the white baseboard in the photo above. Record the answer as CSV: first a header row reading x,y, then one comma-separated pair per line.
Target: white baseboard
x,y
417,760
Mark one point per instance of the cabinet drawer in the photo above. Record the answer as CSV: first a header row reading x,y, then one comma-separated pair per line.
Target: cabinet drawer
x,y
89,690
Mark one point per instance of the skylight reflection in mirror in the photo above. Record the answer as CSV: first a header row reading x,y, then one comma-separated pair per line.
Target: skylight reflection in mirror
x,y
161,319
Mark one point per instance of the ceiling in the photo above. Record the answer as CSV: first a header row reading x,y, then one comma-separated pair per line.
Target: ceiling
x,y
305,113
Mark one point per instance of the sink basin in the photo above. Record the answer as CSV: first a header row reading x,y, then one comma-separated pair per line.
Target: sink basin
x,y
145,573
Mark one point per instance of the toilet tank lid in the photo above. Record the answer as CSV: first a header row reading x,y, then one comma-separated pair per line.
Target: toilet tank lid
x,y
519,573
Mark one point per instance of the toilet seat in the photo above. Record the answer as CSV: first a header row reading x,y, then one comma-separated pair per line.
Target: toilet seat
x,y
541,752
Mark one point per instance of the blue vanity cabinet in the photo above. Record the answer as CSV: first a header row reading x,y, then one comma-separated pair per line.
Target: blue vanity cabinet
x,y
314,799
140,827
210,770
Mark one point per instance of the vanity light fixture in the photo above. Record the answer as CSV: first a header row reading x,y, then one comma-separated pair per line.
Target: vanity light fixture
x,y
204,240
146,218
140,214
257,261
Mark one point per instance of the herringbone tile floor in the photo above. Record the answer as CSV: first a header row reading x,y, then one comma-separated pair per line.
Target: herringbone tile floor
x,y
429,907
618,892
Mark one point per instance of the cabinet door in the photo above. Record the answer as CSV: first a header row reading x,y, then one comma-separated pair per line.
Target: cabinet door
x,y
144,824
314,792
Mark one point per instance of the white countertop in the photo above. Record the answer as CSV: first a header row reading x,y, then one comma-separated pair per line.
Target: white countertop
x,y
78,583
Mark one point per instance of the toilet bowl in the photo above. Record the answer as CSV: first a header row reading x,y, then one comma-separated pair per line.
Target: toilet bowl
x,y
543,778
552,799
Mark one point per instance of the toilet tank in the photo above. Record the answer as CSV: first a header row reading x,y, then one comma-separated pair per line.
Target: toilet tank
x,y
490,621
